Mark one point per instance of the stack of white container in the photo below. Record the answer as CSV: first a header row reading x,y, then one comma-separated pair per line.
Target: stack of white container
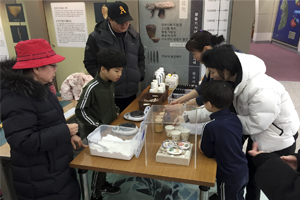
x,y
158,84
161,80
157,88
172,81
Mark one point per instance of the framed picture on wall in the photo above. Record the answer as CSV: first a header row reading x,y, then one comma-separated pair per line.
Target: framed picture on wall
x,y
15,12
101,11
19,33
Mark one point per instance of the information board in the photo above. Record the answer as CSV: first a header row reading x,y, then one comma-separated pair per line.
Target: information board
x,y
70,24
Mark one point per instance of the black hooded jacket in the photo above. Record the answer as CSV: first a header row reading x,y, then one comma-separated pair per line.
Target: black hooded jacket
x,y
36,131
101,38
276,178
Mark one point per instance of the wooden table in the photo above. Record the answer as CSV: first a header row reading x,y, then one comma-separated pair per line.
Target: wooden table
x,y
68,107
203,175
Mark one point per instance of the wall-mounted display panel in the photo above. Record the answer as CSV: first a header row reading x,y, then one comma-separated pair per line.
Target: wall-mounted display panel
x,y
101,11
70,24
3,46
19,33
287,25
15,12
165,28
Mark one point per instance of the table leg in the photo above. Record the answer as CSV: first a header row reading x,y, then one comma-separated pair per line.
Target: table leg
x,y
84,184
203,192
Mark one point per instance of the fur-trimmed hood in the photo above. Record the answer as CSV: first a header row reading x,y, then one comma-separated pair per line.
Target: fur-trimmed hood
x,y
11,81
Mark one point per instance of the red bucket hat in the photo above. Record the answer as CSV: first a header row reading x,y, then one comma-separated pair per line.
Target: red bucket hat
x,y
35,53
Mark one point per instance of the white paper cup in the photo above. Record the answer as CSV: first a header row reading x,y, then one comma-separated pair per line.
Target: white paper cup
x,y
169,129
159,117
178,128
162,113
175,135
185,134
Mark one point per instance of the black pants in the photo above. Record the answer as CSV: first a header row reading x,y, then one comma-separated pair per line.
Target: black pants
x,y
122,103
98,180
253,192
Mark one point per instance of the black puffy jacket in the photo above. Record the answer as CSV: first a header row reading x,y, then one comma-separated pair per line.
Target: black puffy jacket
x,y
36,131
134,72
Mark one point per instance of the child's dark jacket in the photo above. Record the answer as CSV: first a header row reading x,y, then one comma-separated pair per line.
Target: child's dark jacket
x,y
222,139
96,104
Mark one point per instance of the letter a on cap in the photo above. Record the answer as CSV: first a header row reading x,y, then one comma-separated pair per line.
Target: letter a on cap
x,y
122,10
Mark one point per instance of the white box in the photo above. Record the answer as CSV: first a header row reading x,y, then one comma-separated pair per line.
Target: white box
x,y
175,159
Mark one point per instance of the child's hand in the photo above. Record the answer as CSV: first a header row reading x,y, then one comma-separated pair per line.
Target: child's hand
x,y
178,120
73,128
77,142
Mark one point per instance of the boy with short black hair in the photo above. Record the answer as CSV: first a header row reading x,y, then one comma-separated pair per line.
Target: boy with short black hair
x,y
96,106
222,139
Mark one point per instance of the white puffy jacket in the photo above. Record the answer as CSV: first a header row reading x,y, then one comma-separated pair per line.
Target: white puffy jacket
x,y
263,105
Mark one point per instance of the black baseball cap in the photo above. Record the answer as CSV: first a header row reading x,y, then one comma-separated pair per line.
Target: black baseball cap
x,y
119,12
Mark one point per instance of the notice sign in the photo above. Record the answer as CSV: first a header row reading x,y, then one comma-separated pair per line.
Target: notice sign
x,y
3,47
216,14
70,24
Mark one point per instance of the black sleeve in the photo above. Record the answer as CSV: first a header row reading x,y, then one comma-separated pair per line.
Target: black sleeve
x,y
90,56
141,60
298,160
276,178
199,99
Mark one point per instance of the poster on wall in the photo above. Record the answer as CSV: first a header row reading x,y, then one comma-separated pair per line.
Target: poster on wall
x,y
19,33
15,12
287,25
70,24
165,29
3,46
216,17
101,11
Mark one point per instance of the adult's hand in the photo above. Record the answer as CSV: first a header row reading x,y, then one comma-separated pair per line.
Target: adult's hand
x,y
175,107
291,160
73,128
176,101
77,142
254,151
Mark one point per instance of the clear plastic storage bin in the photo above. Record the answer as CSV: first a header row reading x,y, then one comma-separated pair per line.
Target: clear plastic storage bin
x,y
163,147
114,141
